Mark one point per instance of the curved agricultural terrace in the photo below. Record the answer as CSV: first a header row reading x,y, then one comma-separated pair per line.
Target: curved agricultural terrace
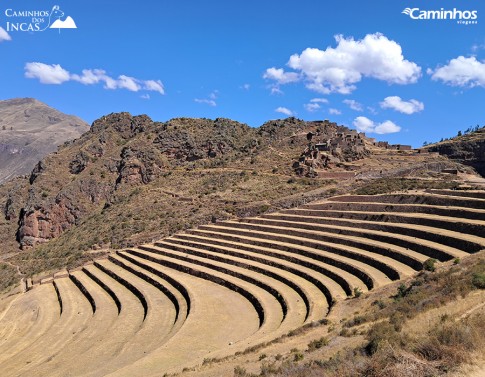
x,y
221,288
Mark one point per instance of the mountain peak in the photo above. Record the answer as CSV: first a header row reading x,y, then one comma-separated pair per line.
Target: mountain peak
x,y
29,130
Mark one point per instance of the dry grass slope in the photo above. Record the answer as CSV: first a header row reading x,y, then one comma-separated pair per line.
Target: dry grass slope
x,y
273,280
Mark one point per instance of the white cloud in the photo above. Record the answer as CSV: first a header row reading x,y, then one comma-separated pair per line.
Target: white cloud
x,y
280,76
154,85
461,72
211,100
130,83
47,74
90,76
387,127
334,111
364,124
339,69
145,96
4,36
319,100
311,107
406,107
275,89
55,74
284,110
246,86
353,104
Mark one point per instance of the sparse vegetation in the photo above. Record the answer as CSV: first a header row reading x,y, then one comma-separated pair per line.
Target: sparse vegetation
x,y
430,264
317,344
386,185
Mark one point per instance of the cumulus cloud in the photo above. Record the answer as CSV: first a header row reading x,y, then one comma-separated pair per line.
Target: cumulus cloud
x,y
339,69
406,107
55,74
4,36
284,110
47,74
280,76
130,83
334,111
461,72
353,104
154,85
363,124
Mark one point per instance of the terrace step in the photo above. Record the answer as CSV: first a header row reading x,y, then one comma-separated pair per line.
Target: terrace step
x,y
292,304
448,232
376,206
340,282
477,194
328,288
76,313
91,344
26,319
412,198
330,253
391,233
315,301
264,304
370,249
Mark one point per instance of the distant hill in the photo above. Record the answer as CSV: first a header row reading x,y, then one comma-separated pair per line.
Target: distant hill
x,y
29,130
468,149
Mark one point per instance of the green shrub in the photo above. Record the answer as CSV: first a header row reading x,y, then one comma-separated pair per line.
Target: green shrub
x,y
429,264
239,371
478,280
298,356
402,291
317,343
357,292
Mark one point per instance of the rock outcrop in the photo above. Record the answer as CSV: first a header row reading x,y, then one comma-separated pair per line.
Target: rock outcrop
x,y
468,149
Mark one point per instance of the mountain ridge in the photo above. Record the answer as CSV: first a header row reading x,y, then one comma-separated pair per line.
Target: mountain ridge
x,y
29,130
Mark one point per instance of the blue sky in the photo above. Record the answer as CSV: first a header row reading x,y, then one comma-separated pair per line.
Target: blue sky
x,y
361,63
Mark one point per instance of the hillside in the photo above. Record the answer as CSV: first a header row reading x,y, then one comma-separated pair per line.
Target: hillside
x,y
196,246
468,149
131,180
29,130
353,285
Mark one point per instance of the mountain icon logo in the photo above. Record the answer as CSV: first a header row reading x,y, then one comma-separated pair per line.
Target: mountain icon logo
x,y
68,23
56,12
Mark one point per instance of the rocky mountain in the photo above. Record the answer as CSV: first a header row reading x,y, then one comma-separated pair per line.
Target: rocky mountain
x,y
130,180
29,130
468,149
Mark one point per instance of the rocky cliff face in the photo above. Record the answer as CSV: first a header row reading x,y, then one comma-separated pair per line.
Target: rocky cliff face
x,y
468,149
29,130
119,153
